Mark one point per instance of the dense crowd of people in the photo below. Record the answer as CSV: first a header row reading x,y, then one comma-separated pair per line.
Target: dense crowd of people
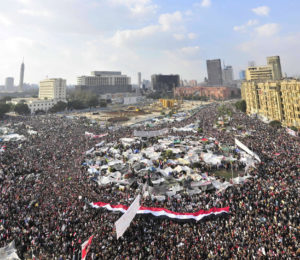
x,y
45,191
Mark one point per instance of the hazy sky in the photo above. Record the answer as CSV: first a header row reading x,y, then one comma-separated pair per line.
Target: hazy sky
x,y
70,38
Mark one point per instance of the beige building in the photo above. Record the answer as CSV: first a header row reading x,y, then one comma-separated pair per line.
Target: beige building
x,y
50,92
259,73
53,89
290,90
274,100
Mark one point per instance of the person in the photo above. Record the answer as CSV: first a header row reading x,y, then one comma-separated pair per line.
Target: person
x,y
43,177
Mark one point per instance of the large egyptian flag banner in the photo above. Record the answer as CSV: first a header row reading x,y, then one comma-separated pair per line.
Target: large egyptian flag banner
x,y
124,222
162,212
85,248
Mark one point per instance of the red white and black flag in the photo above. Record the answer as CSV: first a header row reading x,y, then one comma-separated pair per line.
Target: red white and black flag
x,y
162,212
85,248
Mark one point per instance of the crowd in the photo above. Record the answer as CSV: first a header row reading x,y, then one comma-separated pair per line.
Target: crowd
x,y
45,192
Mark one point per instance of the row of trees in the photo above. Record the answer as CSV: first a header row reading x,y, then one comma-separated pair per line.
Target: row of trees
x,y
21,109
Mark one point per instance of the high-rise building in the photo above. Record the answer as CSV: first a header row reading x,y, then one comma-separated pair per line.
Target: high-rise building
x,y
214,72
139,80
261,73
274,62
9,83
165,83
251,63
21,83
103,82
228,75
242,75
53,89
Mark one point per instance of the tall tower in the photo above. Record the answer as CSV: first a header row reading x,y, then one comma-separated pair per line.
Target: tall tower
x,y
21,76
140,80
274,62
214,72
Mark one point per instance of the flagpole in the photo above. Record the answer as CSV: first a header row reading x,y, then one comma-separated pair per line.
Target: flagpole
x,y
231,171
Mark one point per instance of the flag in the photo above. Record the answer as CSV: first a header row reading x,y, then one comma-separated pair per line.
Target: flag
x,y
9,252
85,248
162,212
124,222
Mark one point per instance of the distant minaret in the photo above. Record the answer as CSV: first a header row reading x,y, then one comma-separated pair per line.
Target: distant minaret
x,y
21,77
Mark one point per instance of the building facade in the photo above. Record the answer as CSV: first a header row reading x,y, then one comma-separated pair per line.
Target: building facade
x,y
102,82
9,84
242,75
165,83
53,89
228,75
259,73
35,104
219,93
140,80
214,72
274,62
274,100
193,83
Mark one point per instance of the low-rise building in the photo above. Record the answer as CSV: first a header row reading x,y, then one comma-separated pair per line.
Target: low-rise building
x,y
35,104
220,93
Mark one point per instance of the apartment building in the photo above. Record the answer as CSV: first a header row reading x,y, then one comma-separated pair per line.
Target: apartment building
x,y
275,100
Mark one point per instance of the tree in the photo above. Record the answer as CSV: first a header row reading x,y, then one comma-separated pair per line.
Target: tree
x,y
6,98
200,130
241,105
40,112
76,104
4,108
58,107
275,124
294,128
22,109
93,101
103,103
168,154
224,110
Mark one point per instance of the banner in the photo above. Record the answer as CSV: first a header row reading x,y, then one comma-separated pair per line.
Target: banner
x,y
124,222
9,252
149,134
161,212
291,132
85,248
91,135
246,149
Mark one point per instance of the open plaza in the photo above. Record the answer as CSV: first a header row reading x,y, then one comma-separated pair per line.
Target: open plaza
x,y
214,184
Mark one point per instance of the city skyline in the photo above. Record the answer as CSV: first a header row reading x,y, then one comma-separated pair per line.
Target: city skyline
x,y
70,38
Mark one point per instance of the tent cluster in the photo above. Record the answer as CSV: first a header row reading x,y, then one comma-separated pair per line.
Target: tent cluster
x,y
169,164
